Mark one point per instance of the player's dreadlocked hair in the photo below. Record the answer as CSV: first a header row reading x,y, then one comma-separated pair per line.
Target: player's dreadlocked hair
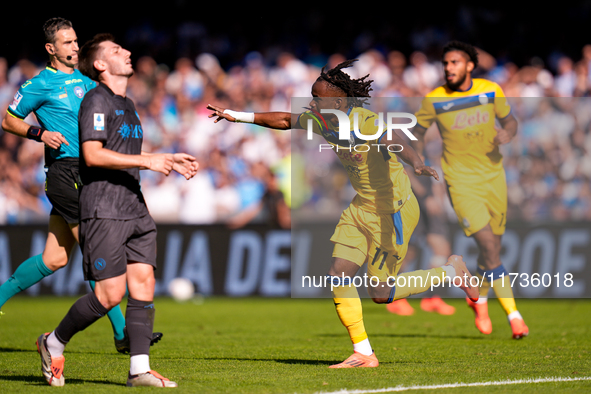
x,y
462,46
355,89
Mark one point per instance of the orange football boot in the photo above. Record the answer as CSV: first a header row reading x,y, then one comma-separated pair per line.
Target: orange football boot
x,y
481,319
400,307
519,328
358,360
437,305
51,367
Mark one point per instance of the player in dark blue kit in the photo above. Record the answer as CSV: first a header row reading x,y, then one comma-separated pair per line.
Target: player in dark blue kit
x,y
54,96
117,233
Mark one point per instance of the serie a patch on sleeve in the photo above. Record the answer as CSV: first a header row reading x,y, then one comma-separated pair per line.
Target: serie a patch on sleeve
x,y
99,122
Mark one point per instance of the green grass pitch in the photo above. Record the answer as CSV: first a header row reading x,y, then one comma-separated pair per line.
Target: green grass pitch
x,y
259,345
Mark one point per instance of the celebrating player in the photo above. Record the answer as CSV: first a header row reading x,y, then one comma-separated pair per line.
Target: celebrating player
x,y
377,225
117,233
55,96
465,110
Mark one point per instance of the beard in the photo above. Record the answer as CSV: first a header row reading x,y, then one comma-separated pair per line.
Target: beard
x,y
460,81
120,70
125,72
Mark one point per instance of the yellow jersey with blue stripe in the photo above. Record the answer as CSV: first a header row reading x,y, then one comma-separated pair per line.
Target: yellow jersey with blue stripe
x,y
466,121
375,173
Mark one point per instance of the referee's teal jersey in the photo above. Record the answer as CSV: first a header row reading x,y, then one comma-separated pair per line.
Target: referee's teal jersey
x,y
54,97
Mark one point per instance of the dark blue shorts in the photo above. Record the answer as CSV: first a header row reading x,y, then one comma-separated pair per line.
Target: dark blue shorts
x,y
108,245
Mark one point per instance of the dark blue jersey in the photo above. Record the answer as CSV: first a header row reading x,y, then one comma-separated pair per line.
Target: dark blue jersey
x,y
106,193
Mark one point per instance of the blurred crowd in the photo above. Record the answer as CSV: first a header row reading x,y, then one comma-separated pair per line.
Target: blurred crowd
x,y
246,171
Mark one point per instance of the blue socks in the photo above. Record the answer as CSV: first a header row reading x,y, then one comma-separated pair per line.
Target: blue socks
x,y
33,270
26,275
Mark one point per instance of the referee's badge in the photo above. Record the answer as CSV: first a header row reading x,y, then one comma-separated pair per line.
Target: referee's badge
x,y
79,92
99,122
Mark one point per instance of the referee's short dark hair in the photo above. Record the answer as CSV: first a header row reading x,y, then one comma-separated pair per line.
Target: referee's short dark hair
x,y
463,47
52,26
88,54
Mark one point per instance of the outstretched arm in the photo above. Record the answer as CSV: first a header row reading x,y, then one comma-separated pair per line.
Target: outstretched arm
x,y
96,155
272,120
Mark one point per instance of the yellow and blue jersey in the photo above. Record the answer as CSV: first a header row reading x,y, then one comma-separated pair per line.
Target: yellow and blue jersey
x,y
466,121
377,176
54,97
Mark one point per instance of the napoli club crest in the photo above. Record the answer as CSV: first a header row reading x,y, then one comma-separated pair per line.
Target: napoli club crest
x,y
100,264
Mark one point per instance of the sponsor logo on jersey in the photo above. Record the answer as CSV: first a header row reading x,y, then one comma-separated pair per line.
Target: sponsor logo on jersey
x,y
133,131
465,119
349,156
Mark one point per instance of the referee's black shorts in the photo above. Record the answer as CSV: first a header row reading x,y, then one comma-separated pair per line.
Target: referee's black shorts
x,y
62,189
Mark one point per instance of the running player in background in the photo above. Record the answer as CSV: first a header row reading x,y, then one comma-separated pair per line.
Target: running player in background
x,y
54,96
377,225
117,233
465,110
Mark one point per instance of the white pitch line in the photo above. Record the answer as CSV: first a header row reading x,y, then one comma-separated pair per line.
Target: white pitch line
x,y
456,385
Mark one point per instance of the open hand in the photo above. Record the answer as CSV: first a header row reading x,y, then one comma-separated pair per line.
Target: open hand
x,y
219,112
185,164
502,137
161,162
426,170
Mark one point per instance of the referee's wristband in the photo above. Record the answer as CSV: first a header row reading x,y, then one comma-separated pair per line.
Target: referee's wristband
x,y
241,117
35,133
